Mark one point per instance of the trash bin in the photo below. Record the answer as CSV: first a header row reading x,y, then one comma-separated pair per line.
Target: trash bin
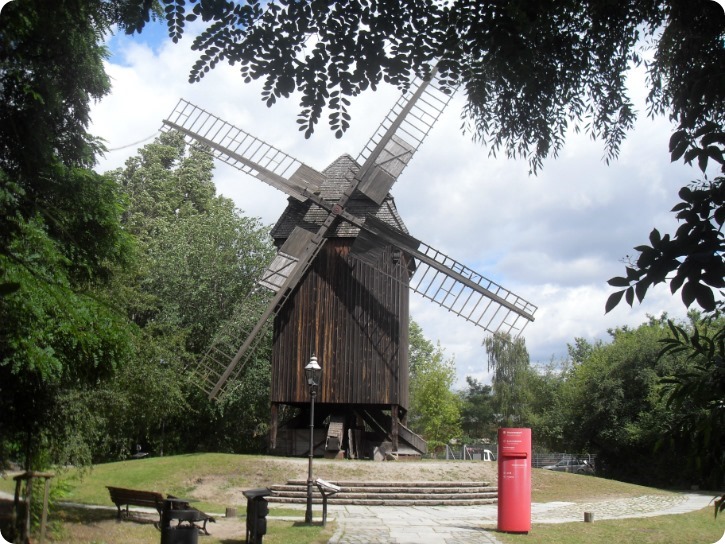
x,y
257,510
179,534
514,480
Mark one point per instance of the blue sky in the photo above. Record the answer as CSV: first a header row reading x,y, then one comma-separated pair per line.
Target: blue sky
x,y
155,34
554,238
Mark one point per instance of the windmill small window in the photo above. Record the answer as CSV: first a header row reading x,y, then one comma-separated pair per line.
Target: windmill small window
x,y
342,276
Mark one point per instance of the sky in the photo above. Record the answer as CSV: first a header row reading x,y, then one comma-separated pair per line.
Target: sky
x,y
554,238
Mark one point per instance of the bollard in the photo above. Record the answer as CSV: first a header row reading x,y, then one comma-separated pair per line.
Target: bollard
x,y
230,513
588,517
257,510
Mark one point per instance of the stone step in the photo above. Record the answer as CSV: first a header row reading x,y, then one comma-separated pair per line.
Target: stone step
x,y
343,483
376,493
395,496
282,489
384,501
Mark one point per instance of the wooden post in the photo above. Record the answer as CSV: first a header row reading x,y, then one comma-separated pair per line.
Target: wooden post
x,y
22,527
394,417
16,507
28,500
273,426
44,518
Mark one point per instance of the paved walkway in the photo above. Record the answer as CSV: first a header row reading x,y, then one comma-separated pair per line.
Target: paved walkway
x,y
476,524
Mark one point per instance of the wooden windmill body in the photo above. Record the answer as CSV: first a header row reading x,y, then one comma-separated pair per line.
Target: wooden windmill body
x,y
341,281
352,314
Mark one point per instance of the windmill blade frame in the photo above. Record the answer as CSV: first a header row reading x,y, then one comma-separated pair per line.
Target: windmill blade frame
x,y
243,151
451,284
400,135
308,254
287,259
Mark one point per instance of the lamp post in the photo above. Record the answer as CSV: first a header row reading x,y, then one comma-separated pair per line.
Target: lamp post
x,y
313,372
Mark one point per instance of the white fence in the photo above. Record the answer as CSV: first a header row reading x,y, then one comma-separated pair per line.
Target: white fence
x,y
488,452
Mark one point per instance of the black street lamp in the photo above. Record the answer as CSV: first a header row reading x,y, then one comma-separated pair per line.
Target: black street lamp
x,y
313,372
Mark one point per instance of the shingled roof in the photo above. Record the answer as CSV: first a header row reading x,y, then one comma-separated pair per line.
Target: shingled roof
x,y
310,216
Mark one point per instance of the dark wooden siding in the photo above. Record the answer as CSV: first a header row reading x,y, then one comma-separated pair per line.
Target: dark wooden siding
x,y
355,320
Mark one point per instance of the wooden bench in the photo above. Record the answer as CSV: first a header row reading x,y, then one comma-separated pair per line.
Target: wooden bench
x,y
152,499
135,497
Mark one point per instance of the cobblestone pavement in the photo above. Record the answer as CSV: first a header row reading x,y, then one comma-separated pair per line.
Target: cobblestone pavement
x,y
477,524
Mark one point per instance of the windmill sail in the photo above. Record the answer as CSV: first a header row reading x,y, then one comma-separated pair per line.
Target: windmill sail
x,y
399,136
210,368
449,283
243,151
286,261
470,295
307,254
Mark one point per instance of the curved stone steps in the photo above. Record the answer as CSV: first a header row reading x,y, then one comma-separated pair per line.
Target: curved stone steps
x,y
390,493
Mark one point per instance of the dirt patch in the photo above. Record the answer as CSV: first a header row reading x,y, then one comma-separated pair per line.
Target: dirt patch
x,y
217,489
226,529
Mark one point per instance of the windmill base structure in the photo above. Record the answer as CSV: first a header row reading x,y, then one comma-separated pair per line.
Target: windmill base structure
x,y
340,284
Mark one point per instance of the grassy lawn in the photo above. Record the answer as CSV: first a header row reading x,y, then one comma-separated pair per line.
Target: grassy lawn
x,y
548,486
179,475
213,481
216,481
83,526
694,528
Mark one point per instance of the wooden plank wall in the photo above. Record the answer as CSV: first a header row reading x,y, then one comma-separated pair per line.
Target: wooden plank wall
x,y
355,320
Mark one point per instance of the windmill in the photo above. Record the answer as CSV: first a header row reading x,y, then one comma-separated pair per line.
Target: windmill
x,y
341,279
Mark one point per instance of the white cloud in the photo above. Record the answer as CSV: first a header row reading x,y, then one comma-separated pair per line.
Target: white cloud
x,y
554,238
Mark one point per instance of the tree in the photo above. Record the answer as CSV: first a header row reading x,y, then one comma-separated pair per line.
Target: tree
x,y
61,241
477,412
54,338
695,393
692,260
509,361
198,259
199,255
547,406
421,349
51,67
140,404
529,70
434,407
687,81
615,404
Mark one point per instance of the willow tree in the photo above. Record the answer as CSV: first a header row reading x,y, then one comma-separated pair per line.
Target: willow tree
x,y
508,359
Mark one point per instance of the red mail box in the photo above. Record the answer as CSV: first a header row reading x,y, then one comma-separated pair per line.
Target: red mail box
x,y
514,480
